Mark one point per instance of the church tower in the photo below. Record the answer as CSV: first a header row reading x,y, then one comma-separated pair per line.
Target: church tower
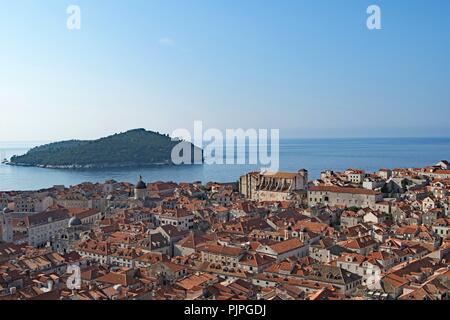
x,y
140,190
302,179
6,223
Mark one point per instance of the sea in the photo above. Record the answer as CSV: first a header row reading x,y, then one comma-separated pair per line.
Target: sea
x,y
315,155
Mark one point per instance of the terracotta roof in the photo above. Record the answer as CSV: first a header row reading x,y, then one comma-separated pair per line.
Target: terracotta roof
x,y
286,246
191,241
47,217
117,278
222,250
255,260
280,175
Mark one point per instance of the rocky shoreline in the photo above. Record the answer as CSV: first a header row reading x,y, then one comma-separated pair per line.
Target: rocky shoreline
x,y
91,166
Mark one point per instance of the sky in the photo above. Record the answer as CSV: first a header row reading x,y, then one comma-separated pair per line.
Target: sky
x,y
310,68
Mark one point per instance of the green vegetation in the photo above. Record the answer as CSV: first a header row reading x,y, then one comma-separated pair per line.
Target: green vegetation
x,y
133,148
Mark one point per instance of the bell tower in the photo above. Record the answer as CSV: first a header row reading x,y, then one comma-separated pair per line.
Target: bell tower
x,y
140,190
6,223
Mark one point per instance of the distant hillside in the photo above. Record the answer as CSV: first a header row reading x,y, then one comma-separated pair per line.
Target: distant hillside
x,y
133,148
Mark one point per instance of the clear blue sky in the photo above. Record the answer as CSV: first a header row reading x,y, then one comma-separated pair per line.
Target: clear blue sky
x,y
310,68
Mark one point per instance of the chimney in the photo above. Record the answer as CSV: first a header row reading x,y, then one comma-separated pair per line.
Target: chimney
x,y
286,234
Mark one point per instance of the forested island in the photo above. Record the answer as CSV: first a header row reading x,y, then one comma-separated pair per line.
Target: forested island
x,y
133,148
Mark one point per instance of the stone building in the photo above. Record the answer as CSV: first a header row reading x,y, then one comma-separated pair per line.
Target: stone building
x,y
268,186
6,225
350,197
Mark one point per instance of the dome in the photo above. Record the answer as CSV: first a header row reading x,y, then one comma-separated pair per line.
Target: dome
x,y
141,184
74,222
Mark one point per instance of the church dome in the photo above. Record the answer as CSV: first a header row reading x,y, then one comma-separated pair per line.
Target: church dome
x,y
74,222
141,184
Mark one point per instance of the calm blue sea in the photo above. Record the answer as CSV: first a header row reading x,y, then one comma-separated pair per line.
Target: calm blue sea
x,y
312,154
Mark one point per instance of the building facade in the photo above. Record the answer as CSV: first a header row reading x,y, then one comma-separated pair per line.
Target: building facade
x,y
267,186
350,197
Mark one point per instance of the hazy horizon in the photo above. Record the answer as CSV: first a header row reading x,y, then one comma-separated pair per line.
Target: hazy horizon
x,y
312,70
38,142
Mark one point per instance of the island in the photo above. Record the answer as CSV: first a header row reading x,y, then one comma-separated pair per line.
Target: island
x,y
134,148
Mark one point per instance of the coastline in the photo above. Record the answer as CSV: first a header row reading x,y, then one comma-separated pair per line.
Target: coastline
x,y
315,155
96,166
